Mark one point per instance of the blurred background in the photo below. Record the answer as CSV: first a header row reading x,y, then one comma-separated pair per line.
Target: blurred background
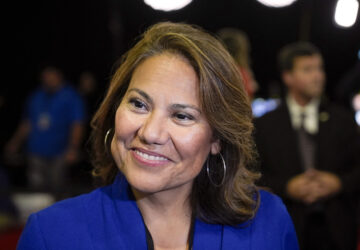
x,y
90,36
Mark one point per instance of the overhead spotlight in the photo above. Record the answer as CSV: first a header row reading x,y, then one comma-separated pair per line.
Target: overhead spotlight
x,y
276,3
167,5
346,12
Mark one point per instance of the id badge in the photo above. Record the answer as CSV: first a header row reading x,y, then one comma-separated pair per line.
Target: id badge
x,y
43,121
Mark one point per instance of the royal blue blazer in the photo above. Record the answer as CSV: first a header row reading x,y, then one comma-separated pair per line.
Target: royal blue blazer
x,y
108,218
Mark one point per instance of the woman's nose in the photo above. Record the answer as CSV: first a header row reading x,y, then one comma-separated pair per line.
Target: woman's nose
x,y
154,129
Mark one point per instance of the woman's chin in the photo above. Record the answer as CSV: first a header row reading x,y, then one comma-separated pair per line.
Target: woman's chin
x,y
144,187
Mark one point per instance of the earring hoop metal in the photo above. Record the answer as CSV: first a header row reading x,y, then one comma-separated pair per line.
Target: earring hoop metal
x,y
106,137
209,175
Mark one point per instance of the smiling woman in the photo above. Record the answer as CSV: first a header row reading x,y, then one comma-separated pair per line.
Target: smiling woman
x,y
217,91
172,143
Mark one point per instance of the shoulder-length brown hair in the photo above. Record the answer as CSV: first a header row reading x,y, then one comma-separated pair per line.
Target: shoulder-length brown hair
x,y
225,105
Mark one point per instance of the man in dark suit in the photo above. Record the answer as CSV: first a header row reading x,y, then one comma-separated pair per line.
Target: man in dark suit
x,y
310,154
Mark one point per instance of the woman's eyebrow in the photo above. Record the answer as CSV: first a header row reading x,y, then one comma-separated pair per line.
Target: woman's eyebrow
x,y
185,106
173,106
142,93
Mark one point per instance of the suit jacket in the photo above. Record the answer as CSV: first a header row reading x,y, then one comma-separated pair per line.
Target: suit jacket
x,y
338,151
108,218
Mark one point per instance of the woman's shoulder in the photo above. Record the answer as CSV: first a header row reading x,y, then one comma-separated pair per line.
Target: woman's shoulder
x,y
74,206
270,228
63,222
270,209
273,224
270,202
71,211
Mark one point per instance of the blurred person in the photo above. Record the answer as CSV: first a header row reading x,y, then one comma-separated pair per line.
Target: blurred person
x,y
52,126
88,89
172,142
238,45
309,152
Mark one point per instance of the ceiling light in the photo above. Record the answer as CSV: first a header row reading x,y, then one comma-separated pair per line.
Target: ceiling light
x,y
346,12
167,5
276,3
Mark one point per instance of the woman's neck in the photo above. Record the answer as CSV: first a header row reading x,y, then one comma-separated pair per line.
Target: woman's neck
x,y
167,215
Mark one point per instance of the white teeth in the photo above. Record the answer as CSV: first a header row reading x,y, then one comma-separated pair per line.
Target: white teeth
x,y
150,157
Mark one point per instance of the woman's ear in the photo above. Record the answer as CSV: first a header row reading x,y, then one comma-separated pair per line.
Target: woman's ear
x,y
215,147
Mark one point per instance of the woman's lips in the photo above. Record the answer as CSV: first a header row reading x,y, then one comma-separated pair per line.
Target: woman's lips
x,y
149,158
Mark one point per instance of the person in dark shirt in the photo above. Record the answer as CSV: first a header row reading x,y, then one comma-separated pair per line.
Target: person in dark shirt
x,y
309,151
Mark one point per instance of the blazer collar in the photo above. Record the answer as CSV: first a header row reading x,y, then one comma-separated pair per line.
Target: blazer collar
x,y
132,228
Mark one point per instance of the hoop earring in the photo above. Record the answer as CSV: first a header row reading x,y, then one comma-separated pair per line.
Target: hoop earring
x,y
106,137
209,175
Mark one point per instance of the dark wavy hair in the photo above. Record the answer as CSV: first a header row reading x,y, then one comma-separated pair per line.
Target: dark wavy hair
x,y
225,105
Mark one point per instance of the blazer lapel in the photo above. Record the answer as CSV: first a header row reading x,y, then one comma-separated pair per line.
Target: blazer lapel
x,y
114,219
131,226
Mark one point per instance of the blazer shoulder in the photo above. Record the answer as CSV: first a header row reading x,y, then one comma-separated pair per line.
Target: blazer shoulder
x,y
273,223
271,203
271,228
272,121
271,212
64,225
74,205
340,112
341,118
72,212
280,111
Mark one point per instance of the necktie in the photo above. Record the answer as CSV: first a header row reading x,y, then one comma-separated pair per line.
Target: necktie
x,y
306,145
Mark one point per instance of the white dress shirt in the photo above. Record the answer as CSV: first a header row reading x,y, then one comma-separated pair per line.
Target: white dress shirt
x,y
310,111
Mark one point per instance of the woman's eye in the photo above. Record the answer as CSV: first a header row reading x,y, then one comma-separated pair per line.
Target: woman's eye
x,y
137,104
183,117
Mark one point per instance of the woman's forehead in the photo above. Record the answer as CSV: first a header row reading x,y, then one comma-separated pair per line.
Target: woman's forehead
x,y
167,77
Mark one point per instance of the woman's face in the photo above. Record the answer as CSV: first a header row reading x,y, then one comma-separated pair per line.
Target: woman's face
x,y
162,137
